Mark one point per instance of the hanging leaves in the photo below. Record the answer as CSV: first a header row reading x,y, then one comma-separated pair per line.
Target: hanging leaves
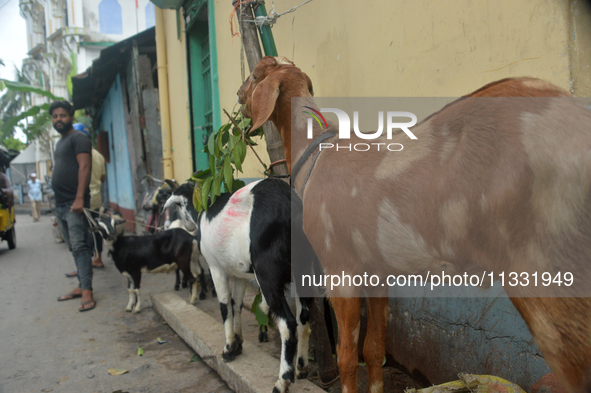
x,y
262,318
227,149
21,109
26,88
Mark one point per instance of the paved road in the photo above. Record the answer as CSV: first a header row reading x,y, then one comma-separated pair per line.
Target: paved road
x,y
46,346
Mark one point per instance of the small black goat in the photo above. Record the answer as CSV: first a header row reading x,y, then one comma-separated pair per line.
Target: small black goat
x,y
162,252
247,235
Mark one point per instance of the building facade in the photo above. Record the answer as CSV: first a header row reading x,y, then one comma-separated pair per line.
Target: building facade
x,y
63,39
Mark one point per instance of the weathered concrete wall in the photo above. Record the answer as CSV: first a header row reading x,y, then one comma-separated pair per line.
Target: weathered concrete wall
x,y
441,337
119,176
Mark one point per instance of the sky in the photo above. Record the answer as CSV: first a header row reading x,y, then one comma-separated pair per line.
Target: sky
x,y
13,38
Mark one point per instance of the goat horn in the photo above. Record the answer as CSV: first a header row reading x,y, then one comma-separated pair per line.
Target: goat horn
x,y
172,184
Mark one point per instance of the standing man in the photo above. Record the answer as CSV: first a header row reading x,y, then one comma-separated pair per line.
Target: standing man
x,y
97,178
35,195
71,175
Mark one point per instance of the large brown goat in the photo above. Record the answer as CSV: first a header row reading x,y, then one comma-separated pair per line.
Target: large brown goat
x,y
491,184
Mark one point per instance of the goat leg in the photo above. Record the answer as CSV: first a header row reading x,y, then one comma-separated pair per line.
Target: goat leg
x,y
201,274
237,301
138,303
348,314
303,317
288,330
131,301
203,293
187,273
233,345
374,347
177,283
137,277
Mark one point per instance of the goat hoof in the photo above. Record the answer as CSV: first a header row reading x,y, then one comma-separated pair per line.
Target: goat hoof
x,y
228,356
283,387
176,287
233,350
128,309
263,337
184,285
202,296
302,372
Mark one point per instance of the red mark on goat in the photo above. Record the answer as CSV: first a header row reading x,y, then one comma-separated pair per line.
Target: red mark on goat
x,y
234,213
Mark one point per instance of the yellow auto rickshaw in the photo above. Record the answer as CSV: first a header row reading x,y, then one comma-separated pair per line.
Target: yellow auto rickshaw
x,y
7,231
7,219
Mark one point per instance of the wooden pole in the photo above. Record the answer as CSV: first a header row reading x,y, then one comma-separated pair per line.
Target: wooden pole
x,y
253,52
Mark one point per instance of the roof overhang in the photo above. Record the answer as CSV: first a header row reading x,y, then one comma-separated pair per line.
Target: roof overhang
x,y
92,86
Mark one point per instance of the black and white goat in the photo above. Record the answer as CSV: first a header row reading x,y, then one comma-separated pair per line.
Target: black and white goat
x,y
246,235
162,252
194,259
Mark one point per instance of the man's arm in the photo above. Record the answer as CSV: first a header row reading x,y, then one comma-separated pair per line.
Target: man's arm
x,y
83,180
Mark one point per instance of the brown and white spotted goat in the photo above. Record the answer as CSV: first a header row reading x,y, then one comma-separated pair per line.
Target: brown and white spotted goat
x,y
491,184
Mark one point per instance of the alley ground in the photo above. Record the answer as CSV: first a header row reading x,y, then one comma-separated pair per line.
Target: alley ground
x,y
48,346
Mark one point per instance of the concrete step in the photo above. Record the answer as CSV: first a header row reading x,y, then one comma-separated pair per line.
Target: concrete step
x,y
255,371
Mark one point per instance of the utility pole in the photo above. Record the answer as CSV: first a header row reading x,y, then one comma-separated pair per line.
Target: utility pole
x,y
253,52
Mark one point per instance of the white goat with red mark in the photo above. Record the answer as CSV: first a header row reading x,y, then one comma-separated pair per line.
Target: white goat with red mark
x,y
491,184
246,235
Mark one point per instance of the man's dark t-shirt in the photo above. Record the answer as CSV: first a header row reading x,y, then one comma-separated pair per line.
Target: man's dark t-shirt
x,y
65,170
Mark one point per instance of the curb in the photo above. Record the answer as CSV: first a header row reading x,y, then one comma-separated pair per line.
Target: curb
x,y
254,371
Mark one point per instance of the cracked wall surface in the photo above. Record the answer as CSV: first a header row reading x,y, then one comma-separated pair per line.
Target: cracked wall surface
x,y
441,337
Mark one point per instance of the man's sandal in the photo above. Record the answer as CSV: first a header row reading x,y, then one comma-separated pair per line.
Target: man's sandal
x,y
68,296
82,307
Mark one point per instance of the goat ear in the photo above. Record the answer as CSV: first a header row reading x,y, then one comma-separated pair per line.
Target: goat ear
x,y
309,81
263,100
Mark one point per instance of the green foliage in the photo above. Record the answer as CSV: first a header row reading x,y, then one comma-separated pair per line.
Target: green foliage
x,y
26,88
226,147
13,143
73,72
262,318
15,107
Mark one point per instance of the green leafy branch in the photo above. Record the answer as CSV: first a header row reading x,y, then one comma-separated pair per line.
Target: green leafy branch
x,y
226,147
42,118
262,318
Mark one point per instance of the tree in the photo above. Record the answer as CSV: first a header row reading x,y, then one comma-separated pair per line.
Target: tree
x,y
14,144
15,106
11,104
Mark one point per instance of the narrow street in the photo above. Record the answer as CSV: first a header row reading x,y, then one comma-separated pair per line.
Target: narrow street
x,y
48,346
